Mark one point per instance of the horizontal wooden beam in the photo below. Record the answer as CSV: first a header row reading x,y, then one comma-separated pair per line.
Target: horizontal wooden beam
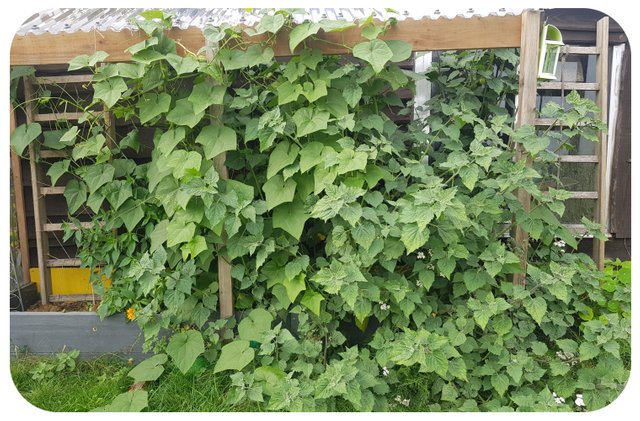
x,y
62,80
65,298
45,191
62,263
569,86
58,116
59,227
574,49
424,35
578,158
50,153
584,195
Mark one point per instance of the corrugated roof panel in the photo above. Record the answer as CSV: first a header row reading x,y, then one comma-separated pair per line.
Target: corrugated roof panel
x,y
54,21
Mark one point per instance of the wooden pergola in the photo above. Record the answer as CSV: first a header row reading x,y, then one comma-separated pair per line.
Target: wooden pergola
x,y
460,33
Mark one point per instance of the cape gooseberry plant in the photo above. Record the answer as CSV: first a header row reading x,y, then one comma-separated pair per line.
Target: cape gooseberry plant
x,y
362,250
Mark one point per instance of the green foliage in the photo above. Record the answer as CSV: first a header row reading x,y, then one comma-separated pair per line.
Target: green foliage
x,y
64,362
336,217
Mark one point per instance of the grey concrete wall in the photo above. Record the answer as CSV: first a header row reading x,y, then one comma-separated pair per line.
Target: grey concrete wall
x,y
45,333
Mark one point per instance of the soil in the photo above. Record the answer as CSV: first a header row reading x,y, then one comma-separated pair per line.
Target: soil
x,y
65,307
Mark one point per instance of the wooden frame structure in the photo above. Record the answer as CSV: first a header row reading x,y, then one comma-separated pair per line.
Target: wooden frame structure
x,y
460,33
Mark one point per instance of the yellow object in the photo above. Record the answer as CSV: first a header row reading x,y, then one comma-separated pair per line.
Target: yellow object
x,y
131,313
66,281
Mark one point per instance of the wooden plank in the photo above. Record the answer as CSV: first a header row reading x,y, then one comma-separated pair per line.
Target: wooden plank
x,y
578,158
46,191
40,213
602,68
59,227
21,213
620,207
527,90
65,298
424,35
58,116
574,49
63,263
584,195
550,122
62,80
50,153
614,102
569,86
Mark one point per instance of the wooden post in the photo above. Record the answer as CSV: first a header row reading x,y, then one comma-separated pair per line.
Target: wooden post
x,y
602,77
39,212
528,80
225,283
21,214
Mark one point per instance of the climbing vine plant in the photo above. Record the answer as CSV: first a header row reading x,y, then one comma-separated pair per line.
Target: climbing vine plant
x,y
361,249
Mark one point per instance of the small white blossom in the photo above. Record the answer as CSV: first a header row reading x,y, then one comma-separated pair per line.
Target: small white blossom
x,y
579,400
406,402
418,284
560,243
557,398
420,255
385,371
398,398
384,306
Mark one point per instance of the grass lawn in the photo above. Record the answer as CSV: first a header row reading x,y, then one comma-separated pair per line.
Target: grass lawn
x,y
96,382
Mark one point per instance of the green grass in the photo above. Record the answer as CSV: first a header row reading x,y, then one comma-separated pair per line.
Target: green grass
x,y
96,382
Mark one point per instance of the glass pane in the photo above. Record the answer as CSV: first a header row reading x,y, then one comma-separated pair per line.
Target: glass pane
x,y
576,209
578,176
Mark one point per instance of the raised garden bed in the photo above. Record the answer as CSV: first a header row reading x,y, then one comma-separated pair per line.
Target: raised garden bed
x,y
48,332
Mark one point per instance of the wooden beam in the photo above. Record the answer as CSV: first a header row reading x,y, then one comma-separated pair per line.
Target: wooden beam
x,y
526,114
602,77
64,263
570,86
578,158
39,211
424,35
21,213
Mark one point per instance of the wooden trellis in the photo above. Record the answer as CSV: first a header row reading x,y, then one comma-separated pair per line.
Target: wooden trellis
x,y
519,31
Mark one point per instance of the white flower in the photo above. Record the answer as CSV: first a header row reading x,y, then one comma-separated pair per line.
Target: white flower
x,y
385,371
420,255
406,402
398,398
384,306
557,398
418,284
579,400
560,243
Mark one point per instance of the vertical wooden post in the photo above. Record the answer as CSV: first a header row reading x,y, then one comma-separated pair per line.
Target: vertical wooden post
x,y
602,77
528,80
39,211
225,284
21,214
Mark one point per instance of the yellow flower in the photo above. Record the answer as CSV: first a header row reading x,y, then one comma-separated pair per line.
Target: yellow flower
x,y
131,313
321,236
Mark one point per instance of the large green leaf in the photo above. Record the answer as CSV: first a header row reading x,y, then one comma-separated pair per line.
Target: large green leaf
x,y
374,52
232,58
150,369
282,156
216,139
536,307
278,191
194,247
131,213
170,139
131,401
364,234
69,137
290,217
57,169
184,162
91,147
76,194
159,235
178,232
310,156
109,90
294,286
184,348
310,120
152,105
234,356
85,60
270,23
302,32
312,301
97,176
288,92
413,237
117,192
205,94
183,114
255,324
401,50
23,135
182,65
